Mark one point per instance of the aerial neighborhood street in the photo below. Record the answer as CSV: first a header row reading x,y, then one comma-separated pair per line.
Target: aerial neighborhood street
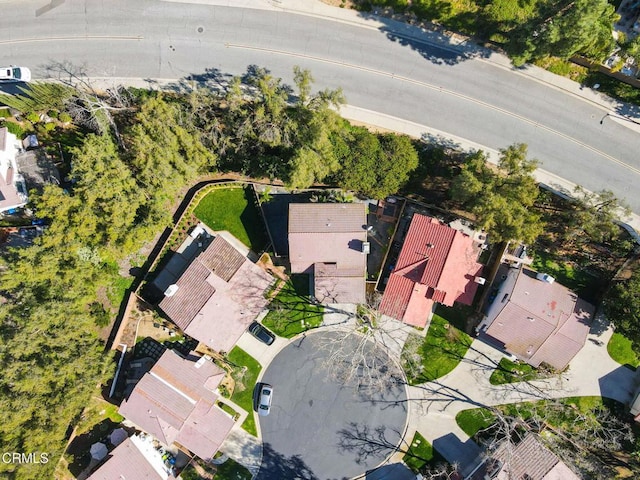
x,y
319,239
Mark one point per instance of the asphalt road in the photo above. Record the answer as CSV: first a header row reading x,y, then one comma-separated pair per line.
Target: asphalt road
x,y
459,93
316,426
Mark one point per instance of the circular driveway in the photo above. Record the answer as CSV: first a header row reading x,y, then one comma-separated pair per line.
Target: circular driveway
x,y
319,428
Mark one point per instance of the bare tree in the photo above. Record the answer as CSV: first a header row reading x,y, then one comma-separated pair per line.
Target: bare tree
x,y
362,351
90,106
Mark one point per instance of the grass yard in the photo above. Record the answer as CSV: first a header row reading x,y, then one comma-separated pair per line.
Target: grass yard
x,y
620,349
233,209
290,311
229,470
232,470
473,420
419,454
245,373
511,372
436,355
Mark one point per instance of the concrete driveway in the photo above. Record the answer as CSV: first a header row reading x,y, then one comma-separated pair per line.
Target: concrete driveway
x,y
319,428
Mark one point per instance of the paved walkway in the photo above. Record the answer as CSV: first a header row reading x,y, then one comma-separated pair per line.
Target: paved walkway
x,y
591,373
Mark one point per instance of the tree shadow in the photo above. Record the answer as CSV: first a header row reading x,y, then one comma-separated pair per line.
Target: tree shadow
x,y
433,44
276,466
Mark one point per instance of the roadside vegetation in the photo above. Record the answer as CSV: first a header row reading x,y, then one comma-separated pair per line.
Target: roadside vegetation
x,y
245,371
291,311
429,358
545,32
592,434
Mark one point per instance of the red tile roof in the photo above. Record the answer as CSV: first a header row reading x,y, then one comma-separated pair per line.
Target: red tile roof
x,y
541,322
437,264
175,402
326,239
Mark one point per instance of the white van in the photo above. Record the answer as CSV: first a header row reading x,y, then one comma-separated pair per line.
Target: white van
x,y
14,74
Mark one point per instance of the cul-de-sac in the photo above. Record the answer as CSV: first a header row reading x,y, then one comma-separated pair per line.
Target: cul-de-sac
x,y
320,239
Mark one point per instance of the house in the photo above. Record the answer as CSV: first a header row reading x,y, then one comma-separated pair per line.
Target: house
x,y
536,319
219,293
329,242
437,264
529,460
13,189
134,459
176,403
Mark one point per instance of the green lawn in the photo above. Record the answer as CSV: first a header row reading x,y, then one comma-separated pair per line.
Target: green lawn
x,y
620,349
511,372
419,454
473,420
229,470
565,413
245,373
436,355
233,209
232,470
290,311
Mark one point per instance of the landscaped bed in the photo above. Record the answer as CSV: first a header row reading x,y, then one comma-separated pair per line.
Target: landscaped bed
x,y
436,355
510,372
245,373
291,312
233,209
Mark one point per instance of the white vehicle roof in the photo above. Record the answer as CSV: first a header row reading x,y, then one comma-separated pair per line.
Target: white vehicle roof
x,y
19,74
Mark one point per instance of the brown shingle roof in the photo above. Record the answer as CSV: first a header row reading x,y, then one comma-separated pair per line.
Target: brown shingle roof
x,y
222,259
326,217
529,460
327,239
218,296
193,292
175,402
542,322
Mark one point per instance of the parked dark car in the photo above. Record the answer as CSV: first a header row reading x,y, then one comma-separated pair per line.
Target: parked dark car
x,y
261,333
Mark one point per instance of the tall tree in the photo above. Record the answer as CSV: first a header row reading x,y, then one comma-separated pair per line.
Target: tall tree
x,y
622,306
563,29
375,166
502,198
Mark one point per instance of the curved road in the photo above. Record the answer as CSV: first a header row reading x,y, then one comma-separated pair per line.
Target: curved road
x,y
458,92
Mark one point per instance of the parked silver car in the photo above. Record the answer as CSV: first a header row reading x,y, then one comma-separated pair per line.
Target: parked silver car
x,y
264,402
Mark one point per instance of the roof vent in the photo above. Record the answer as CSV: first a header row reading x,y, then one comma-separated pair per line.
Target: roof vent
x,y
480,280
366,248
430,245
171,290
